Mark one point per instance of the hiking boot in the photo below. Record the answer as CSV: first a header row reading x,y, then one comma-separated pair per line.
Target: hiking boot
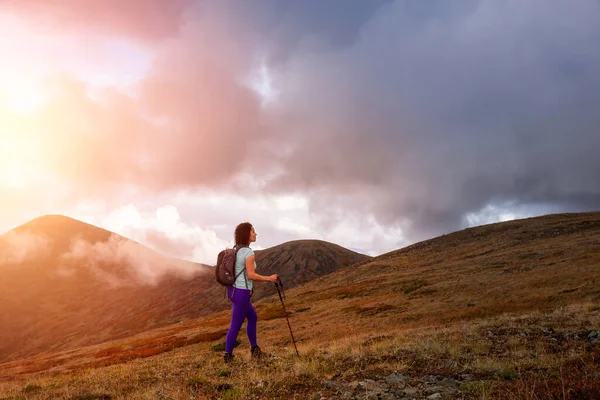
x,y
228,357
256,352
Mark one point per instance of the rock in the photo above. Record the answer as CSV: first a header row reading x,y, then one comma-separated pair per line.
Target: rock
x,y
448,382
337,386
395,378
433,389
410,391
434,396
371,386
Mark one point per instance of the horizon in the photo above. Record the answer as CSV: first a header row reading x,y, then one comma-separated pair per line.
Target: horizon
x,y
256,247
35,241
371,125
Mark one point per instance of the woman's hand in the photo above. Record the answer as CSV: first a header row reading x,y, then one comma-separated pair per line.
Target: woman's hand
x,y
254,276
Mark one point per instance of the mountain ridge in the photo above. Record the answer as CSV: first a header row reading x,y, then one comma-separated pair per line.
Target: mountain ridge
x,y
95,293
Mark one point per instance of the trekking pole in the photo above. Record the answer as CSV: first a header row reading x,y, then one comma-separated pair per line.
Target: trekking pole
x,y
279,286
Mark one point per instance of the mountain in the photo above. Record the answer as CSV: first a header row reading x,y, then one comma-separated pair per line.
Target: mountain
x,y
301,261
500,311
522,265
66,284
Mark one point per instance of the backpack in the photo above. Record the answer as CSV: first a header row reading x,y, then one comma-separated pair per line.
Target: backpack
x,y
225,269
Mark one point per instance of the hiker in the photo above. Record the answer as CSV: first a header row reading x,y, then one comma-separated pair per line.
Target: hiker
x,y
240,292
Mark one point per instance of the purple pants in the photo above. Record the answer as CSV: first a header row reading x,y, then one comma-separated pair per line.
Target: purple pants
x,y
241,309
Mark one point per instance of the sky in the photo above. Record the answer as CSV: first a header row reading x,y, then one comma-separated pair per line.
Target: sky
x,y
372,125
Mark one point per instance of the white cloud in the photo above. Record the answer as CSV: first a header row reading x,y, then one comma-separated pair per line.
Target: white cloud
x,y
17,247
120,262
165,232
493,213
364,234
261,81
197,225
286,224
290,202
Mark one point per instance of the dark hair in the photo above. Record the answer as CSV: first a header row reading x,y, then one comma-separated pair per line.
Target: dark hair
x,y
242,234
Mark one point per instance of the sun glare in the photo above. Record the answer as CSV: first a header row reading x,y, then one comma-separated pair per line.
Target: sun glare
x,y
11,178
19,161
22,98
11,164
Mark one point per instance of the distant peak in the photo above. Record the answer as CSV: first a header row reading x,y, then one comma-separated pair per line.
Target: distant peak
x,y
52,218
52,223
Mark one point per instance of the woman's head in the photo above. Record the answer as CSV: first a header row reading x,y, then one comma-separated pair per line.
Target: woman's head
x,y
244,234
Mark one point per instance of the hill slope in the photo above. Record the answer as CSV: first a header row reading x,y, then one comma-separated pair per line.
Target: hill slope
x,y
521,265
301,261
498,311
66,284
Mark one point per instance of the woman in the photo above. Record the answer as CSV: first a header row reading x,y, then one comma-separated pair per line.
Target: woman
x,y
239,294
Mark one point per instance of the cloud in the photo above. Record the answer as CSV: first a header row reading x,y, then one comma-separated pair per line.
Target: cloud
x,y
143,19
121,262
19,247
493,213
277,219
393,121
436,111
206,117
164,231
188,122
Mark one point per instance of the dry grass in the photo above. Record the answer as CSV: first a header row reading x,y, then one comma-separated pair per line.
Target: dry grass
x,y
509,356
506,310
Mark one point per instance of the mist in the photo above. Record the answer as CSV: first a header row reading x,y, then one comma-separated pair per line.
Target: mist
x,y
120,262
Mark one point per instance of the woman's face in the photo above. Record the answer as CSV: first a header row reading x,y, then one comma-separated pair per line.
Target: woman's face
x,y
252,235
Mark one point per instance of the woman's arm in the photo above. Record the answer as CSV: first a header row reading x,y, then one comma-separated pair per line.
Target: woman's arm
x,y
253,275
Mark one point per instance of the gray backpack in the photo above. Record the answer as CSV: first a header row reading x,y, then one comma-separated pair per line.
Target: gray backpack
x,y
225,269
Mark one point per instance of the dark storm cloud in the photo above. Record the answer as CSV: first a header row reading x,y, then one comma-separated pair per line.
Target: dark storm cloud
x,y
285,23
440,110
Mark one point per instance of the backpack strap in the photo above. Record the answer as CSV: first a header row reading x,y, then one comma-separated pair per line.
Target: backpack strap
x,y
242,271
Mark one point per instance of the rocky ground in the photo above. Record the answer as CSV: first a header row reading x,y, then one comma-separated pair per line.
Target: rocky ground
x,y
459,386
395,386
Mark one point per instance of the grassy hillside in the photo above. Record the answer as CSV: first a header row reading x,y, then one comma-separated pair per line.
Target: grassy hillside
x,y
65,284
507,311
